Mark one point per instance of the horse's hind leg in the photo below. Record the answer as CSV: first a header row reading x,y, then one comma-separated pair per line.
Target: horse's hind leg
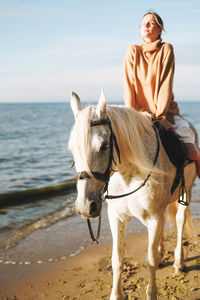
x,y
155,226
161,249
180,222
118,229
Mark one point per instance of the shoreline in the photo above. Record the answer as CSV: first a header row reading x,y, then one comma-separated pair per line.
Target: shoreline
x,y
89,274
64,238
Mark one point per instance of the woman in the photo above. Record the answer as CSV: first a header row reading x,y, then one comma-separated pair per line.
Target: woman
x,y
148,82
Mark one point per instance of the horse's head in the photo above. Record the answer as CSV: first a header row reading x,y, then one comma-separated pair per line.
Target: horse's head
x,y
91,143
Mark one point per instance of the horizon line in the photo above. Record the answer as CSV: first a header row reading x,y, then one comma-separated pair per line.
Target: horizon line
x,y
67,101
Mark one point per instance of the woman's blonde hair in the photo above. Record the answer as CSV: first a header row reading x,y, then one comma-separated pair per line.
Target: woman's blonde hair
x,y
157,18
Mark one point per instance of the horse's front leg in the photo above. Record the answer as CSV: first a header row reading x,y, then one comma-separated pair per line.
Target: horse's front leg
x,y
118,229
153,256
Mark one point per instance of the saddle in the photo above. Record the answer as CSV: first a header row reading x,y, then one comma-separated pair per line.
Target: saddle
x,y
177,155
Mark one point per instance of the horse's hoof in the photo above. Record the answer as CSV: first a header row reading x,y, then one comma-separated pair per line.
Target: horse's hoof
x,y
161,265
118,296
150,295
153,297
178,269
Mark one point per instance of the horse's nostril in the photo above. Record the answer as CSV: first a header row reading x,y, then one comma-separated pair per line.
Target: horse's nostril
x,y
93,207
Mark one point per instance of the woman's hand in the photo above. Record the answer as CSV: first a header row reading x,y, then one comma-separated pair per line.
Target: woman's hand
x,y
164,123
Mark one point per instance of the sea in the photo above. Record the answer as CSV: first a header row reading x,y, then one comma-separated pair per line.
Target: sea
x,y
37,186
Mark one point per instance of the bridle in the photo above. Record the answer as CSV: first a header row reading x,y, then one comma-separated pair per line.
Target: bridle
x,y
101,176
113,143
105,177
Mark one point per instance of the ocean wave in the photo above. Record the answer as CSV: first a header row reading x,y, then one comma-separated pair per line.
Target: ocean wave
x,y
12,237
28,195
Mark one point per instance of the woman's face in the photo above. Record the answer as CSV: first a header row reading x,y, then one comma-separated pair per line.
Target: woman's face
x,y
150,30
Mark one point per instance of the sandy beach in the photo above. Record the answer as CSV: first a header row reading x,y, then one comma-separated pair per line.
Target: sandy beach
x,y
88,275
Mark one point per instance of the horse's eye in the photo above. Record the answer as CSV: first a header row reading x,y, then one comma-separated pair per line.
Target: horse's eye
x,y
104,147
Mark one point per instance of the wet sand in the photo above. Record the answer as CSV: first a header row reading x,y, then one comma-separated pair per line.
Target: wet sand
x,y
50,274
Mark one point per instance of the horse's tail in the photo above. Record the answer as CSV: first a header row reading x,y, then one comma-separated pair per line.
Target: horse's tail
x,y
172,211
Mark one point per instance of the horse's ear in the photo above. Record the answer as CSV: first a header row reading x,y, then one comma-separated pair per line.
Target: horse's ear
x,y
101,106
75,104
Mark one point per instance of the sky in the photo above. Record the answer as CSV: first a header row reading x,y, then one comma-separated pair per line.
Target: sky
x,y
51,48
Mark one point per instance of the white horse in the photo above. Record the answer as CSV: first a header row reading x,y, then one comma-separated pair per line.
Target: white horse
x,y
93,142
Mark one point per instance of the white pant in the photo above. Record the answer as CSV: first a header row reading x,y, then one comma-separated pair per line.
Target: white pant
x,y
183,129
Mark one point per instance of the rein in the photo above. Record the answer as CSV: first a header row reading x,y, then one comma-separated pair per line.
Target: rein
x,y
106,176
94,239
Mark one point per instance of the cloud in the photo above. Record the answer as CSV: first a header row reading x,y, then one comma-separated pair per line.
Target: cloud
x,y
111,75
16,9
195,11
9,69
87,46
180,3
47,87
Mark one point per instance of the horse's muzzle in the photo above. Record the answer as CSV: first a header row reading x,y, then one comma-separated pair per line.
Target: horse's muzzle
x,y
90,209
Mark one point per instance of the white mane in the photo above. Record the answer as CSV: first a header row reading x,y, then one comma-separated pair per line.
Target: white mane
x,y
130,128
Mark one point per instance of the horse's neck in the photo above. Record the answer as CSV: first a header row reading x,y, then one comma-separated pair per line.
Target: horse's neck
x,y
129,166
129,171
